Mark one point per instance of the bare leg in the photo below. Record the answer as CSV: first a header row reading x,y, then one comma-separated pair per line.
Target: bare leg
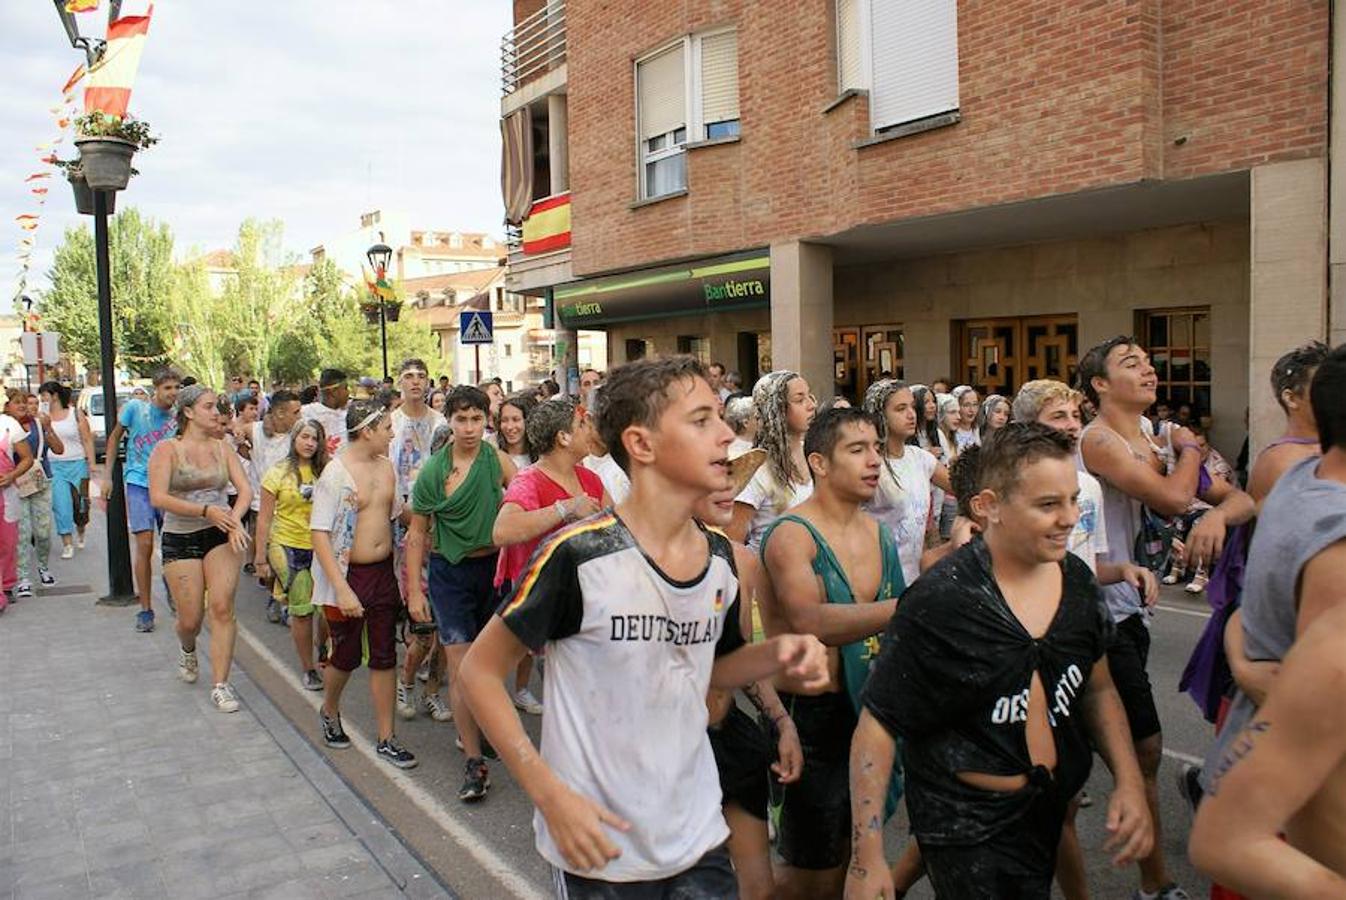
x,y
144,567
750,852
186,581
221,569
301,632
1070,873
381,691
416,653
462,715
333,683
1153,870
909,868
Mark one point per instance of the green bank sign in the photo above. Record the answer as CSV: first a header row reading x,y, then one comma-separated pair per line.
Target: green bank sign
x,y
740,281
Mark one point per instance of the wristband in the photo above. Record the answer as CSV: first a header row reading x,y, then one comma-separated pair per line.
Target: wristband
x,y
559,508
1188,445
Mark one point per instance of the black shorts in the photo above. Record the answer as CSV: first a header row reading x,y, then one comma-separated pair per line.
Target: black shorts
x,y
815,821
711,876
743,756
1128,655
178,547
1016,864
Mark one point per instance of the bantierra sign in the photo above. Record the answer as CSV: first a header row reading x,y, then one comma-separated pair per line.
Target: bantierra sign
x,y
740,281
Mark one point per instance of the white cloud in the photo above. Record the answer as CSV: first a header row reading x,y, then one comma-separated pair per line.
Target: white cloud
x,y
306,111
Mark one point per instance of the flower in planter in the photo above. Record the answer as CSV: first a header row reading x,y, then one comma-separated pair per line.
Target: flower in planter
x,y
128,128
106,144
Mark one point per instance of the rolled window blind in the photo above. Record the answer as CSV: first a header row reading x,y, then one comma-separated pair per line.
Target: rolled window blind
x,y
850,71
661,88
719,77
914,53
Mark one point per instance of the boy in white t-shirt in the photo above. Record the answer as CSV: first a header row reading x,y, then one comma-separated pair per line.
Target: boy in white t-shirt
x,y
621,601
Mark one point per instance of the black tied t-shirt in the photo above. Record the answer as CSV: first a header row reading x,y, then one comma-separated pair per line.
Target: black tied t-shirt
x,y
953,681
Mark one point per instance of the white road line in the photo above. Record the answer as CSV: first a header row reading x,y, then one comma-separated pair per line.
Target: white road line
x,y
1185,612
496,865
1183,757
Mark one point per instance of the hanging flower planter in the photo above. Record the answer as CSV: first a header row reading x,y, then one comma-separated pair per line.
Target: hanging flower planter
x,y
392,310
84,193
371,311
106,145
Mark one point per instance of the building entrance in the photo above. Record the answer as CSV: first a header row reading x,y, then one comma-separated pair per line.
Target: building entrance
x,y
862,355
998,355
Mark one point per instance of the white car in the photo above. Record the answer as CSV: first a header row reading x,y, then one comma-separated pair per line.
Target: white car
x,y
90,403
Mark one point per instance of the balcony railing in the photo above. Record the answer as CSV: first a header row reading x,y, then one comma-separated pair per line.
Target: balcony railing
x,y
533,47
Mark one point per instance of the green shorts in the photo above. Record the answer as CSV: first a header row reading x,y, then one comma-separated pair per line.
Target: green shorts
x,y
293,583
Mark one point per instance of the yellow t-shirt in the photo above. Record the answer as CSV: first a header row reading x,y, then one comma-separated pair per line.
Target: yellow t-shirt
x,y
294,503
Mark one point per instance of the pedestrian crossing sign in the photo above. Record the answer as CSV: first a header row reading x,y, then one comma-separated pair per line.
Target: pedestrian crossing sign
x,y
475,328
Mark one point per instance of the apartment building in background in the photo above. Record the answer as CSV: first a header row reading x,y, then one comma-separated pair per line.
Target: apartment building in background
x,y
854,188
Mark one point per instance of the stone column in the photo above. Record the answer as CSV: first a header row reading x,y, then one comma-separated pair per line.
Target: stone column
x,y
1336,316
565,361
801,312
1288,295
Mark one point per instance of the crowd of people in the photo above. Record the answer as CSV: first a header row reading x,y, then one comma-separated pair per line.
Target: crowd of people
x,y
930,598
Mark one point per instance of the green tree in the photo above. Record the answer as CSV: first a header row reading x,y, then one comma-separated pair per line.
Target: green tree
x,y
143,276
261,300
202,329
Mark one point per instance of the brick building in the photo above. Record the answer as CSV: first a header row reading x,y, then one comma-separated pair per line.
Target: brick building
x,y
978,190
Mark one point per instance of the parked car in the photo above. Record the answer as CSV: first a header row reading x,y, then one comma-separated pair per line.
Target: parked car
x,y
90,402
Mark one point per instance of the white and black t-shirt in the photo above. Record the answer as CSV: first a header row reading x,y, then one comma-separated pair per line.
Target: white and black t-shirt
x,y
629,656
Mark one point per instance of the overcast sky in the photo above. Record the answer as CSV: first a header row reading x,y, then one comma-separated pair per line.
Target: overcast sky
x,y
305,111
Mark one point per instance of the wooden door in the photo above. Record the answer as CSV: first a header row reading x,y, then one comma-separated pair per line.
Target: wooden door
x,y
998,355
845,361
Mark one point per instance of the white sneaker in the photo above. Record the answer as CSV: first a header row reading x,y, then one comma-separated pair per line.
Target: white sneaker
x,y
23,591
68,551
406,700
45,576
225,698
187,665
525,701
79,542
438,708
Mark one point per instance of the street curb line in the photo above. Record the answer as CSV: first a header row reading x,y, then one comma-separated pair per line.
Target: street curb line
x,y
493,863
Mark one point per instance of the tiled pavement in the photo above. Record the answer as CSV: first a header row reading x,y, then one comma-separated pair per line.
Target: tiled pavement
x,y
119,781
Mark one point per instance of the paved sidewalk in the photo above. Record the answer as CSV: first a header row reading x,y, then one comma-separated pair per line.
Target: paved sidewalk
x,y
118,780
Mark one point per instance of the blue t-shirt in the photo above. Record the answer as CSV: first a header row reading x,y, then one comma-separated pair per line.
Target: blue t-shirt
x,y
146,425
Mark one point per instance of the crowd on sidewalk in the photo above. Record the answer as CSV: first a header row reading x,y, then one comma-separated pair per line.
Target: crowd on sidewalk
x,y
929,597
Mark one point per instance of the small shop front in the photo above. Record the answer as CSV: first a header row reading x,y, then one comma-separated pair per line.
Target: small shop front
x,y
717,309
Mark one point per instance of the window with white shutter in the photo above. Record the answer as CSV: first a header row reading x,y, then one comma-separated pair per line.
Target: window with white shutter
x,y
850,61
661,92
719,84
913,49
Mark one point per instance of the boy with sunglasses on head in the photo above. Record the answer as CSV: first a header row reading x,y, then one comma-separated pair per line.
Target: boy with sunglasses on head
x,y
354,583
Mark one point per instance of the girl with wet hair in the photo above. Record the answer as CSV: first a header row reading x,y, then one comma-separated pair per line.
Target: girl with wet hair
x,y
969,404
1290,378
741,415
785,407
949,418
203,536
993,416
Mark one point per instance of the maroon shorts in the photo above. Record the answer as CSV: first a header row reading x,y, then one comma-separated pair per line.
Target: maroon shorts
x,y
372,637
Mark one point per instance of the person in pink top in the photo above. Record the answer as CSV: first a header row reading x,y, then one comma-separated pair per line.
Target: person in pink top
x,y
541,498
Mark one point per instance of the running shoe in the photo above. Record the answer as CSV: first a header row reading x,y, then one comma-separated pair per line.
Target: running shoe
x,y
23,591
44,575
285,617
145,621
333,734
486,749
272,611
476,781
406,700
438,708
79,542
525,701
188,668
1198,583
1189,785
311,680
391,751
68,551
224,697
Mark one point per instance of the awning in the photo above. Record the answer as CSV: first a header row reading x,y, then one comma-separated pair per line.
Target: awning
x,y
738,281
516,164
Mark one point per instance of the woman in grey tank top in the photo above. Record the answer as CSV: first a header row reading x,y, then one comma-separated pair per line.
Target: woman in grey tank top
x,y
204,537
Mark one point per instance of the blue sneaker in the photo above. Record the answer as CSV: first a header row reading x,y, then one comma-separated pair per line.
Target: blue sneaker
x,y
145,621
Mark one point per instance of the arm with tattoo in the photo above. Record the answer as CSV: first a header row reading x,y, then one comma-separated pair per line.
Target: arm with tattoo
x,y
872,752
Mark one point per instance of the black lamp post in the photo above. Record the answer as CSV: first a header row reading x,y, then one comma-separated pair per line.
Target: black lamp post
x,y
379,256
121,589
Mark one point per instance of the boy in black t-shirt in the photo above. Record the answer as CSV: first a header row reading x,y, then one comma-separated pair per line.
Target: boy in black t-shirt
x,y
995,676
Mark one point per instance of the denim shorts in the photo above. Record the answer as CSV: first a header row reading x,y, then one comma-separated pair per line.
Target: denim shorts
x,y
142,515
462,595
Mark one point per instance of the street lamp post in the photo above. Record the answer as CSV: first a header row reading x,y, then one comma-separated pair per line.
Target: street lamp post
x,y
379,255
121,589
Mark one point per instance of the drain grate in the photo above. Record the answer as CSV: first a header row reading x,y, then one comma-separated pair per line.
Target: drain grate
x,y
62,590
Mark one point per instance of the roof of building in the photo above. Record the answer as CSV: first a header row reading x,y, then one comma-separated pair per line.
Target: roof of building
x,y
469,243
476,280
219,259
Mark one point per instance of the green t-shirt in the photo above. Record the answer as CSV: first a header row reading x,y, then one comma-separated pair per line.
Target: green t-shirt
x,y
462,521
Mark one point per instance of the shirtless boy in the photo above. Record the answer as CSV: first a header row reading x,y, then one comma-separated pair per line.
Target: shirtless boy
x,y
354,504
836,572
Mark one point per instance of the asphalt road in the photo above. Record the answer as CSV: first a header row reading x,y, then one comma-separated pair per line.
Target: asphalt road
x,y
486,849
